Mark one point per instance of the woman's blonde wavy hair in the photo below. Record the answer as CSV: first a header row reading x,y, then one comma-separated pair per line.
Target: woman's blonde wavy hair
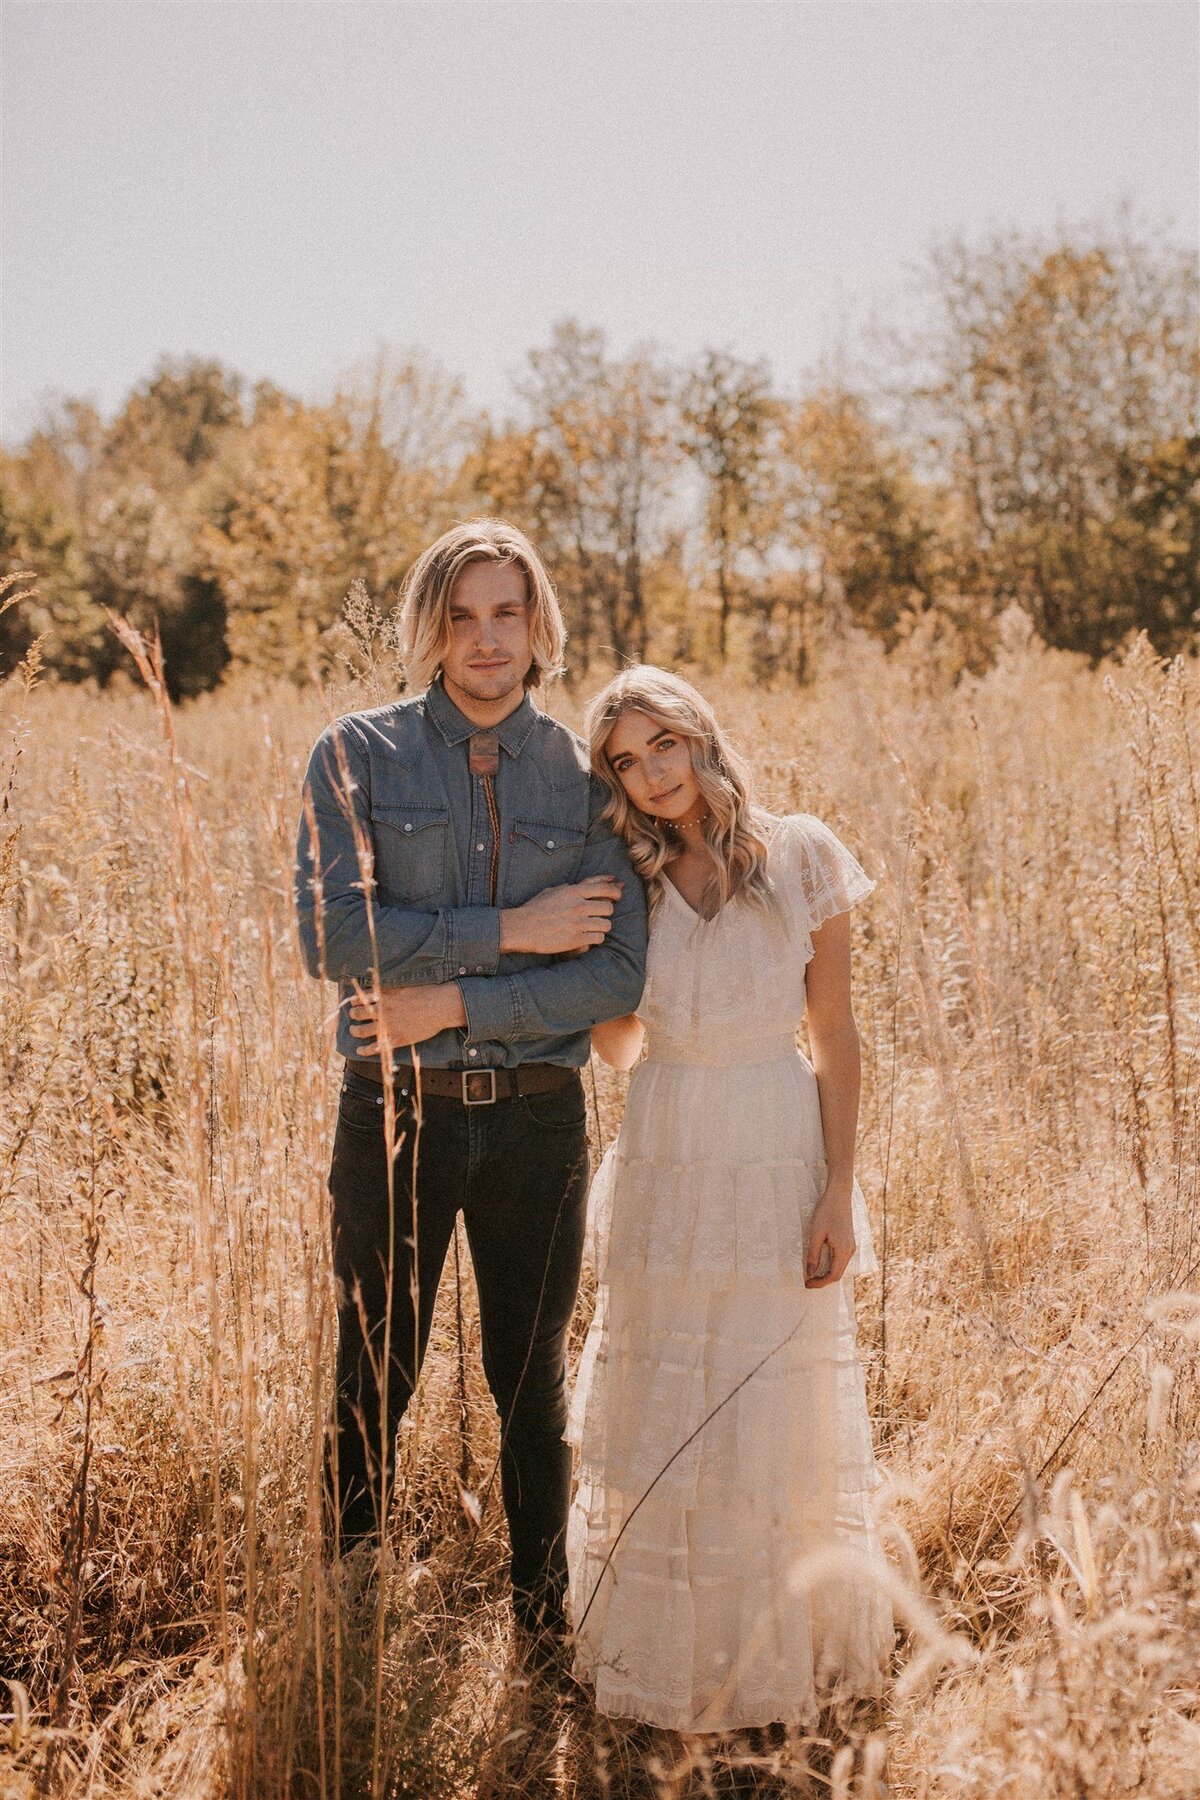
x,y
733,832
425,606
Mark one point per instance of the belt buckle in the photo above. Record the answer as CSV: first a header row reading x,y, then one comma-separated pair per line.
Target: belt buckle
x,y
479,1087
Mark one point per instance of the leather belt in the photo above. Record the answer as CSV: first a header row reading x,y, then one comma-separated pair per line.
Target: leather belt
x,y
475,1087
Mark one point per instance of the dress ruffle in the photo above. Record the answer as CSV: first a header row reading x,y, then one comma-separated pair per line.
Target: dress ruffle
x,y
714,1588
730,1220
721,1422
740,1199
692,1391
714,1457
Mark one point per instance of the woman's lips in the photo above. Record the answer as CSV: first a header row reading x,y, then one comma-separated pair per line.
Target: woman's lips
x,y
657,799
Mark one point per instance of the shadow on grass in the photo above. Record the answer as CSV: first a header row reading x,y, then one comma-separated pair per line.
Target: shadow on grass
x,y
548,1742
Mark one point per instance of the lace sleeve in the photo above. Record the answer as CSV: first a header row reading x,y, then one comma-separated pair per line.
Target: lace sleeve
x,y
830,880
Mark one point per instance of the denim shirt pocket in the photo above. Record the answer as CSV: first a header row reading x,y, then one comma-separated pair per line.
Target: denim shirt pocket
x,y
410,843
541,854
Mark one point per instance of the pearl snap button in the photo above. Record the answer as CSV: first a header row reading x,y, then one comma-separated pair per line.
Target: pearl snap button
x,y
549,843
462,971
408,828
479,847
472,1053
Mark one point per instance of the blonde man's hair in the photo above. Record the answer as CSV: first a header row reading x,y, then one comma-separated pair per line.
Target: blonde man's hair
x,y
734,832
425,606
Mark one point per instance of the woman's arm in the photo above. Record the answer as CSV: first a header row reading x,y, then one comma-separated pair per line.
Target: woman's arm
x,y
836,1056
618,1042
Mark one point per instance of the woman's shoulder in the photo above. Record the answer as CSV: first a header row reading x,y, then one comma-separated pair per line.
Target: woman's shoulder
x,y
829,876
789,832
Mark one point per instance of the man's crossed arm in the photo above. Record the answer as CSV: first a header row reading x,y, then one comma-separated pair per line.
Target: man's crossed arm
x,y
597,925
560,921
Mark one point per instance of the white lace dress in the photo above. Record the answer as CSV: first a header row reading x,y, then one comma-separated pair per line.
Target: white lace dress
x,y
695,1611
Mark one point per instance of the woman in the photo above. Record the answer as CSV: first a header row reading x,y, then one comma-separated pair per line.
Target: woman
x,y
720,1412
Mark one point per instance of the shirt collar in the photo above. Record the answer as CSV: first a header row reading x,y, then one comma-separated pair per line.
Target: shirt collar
x,y
456,728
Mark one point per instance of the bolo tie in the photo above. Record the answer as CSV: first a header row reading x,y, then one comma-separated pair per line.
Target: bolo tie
x,y
485,762
484,751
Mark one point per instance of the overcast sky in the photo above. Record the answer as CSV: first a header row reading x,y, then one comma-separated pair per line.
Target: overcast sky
x,y
283,186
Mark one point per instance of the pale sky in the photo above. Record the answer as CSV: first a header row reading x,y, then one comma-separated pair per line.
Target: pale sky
x,y
283,186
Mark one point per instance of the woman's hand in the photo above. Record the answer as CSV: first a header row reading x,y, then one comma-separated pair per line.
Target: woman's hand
x,y
830,1239
562,921
837,1064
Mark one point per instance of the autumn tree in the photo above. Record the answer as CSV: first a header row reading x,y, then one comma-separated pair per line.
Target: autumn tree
x,y
511,472
106,515
270,536
399,473
1060,390
854,511
601,435
141,561
1159,532
1047,453
174,424
140,529
728,417
46,492
37,534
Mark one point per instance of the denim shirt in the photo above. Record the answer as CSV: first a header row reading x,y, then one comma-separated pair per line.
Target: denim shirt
x,y
393,865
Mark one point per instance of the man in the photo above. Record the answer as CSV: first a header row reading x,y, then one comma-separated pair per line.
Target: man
x,y
455,877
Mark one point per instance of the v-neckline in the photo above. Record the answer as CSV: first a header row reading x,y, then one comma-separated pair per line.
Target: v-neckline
x,y
702,918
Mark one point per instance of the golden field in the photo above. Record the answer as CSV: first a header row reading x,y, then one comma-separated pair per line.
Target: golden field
x,y
1027,979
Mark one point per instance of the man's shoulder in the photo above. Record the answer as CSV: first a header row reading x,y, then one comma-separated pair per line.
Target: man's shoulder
x,y
394,725
564,763
565,760
551,738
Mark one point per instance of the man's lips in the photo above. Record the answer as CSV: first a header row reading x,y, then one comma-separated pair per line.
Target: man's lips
x,y
500,662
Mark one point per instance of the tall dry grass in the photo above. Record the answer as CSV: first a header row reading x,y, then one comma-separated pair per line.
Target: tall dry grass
x,y
1028,992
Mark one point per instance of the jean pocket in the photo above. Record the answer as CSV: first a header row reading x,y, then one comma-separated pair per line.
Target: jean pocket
x,y
540,855
410,845
360,1105
559,1109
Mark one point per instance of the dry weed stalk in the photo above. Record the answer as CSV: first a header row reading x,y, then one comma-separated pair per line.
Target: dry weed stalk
x,y
1028,992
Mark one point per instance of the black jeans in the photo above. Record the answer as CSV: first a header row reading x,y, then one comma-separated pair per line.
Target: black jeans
x,y
518,1171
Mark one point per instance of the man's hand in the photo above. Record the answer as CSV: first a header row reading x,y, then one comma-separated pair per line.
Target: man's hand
x,y
560,920
404,1016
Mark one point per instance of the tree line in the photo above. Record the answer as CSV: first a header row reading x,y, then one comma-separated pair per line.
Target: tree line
x,y
1031,438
